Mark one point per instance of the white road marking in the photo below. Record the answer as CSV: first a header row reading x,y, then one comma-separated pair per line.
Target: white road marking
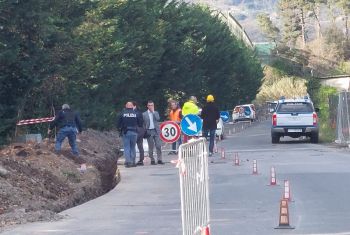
x,y
344,233
272,149
52,230
237,136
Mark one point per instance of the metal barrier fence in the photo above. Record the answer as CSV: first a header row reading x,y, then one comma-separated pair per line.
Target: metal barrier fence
x,y
194,186
236,28
343,118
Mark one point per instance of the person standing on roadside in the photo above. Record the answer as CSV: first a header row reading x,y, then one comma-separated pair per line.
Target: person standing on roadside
x,y
151,123
168,109
140,134
175,115
127,123
210,115
190,107
69,125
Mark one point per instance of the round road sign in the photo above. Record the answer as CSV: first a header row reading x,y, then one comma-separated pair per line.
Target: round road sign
x,y
169,131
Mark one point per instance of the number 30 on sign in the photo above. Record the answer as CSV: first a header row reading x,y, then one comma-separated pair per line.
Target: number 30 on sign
x,y
170,131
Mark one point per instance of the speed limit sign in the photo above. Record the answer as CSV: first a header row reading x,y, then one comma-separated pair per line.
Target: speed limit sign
x,y
170,131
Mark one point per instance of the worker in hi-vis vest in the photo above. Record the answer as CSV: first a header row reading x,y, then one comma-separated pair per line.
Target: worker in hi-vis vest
x,y
190,107
175,115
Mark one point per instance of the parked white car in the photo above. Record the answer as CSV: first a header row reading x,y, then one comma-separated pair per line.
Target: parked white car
x,y
294,118
245,112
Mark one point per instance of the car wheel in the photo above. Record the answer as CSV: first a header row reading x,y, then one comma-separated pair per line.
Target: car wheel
x,y
314,138
275,138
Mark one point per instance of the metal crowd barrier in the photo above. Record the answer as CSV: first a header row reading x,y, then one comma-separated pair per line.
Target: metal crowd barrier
x,y
194,186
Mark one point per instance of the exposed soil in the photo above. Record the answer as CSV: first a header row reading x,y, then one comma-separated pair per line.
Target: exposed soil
x,y
36,183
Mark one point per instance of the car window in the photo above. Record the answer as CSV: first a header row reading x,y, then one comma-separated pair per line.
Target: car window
x,y
295,107
236,110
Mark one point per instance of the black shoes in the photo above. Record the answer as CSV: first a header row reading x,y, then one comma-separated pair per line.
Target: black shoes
x,y
140,163
172,153
128,165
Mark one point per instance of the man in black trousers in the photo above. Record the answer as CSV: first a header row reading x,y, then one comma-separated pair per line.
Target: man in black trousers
x,y
210,115
140,135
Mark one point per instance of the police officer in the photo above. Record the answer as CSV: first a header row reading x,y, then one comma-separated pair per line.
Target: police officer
x,y
69,125
127,123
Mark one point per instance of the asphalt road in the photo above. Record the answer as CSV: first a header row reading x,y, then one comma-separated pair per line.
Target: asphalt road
x,y
147,200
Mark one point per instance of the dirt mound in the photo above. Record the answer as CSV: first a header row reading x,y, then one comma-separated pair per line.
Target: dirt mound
x,y
36,182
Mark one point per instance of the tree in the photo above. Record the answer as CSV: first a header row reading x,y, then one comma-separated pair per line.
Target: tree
x,y
161,49
345,7
34,46
267,27
278,81
315,6
291,22
95,55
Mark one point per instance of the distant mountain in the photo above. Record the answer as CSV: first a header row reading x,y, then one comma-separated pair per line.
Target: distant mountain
x,y
245,11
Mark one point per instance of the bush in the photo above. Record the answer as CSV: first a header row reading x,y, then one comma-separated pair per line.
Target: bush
x,y
321,99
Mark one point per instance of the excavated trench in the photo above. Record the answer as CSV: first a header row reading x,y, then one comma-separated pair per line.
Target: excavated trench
x,y
36,183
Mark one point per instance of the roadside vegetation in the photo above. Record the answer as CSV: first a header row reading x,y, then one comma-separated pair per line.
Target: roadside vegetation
x,y
311,39
96,54
313,34
322,96
277,83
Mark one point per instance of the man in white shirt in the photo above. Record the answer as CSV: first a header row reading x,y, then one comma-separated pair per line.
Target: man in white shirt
x,y
150,121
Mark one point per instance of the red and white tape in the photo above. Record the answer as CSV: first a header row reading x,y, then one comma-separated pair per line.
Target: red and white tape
x,y
35,121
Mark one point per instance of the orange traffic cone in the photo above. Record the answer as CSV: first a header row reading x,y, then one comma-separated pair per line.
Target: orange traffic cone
x,y
255,167
215,147
236,159
205,231
223,154
273,177
284,216
287,193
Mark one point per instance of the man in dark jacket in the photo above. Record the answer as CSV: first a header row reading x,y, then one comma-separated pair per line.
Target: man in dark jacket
x,y
69,125
127,123
210,115
151,123
140,134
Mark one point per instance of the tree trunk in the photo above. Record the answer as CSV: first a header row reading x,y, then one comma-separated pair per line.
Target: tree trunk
x,y
331,12
303,29
346,27
317,22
